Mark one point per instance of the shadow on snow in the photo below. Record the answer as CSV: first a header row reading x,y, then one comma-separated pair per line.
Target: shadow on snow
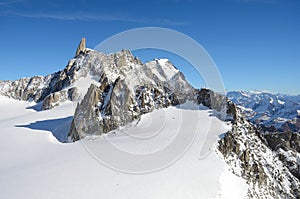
x,y
37,107
58,127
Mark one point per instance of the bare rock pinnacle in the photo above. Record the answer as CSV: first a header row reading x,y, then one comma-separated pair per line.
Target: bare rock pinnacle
x,y
81,47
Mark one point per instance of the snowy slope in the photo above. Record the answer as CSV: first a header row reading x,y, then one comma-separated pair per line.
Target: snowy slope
x,y
35,165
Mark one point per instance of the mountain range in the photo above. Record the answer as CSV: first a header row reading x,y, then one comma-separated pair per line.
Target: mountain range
x,y
273,111
261,145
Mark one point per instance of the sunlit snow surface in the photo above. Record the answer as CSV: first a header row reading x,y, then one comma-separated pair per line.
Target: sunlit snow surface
x,y
35,165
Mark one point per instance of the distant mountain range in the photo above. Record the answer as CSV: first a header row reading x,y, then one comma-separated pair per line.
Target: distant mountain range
x,y
269,110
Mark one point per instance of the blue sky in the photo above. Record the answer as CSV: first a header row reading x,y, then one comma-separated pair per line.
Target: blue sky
x,y
255,43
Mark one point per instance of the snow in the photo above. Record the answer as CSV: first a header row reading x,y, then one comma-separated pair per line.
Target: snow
x,y
281,120
229,183
156,72
245,109
168,68
298,111
35,165
83,84
256,92
281,102
162,69
162,61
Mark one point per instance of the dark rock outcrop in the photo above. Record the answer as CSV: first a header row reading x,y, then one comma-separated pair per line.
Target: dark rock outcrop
x,y
248,153
87,115
217,102
54,99
291,125
286,141
287,147
73,94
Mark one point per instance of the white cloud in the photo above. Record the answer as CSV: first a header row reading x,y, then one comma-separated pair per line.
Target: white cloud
x,y
96,17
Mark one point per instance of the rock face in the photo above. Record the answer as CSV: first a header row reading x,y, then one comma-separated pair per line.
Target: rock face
x,y
287,147
269,162
54,99
127,89
81,47
39,88
291,125
25,88
251,156
86,116
217,102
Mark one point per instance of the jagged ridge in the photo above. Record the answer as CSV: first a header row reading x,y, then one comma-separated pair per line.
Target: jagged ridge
x,y
120,88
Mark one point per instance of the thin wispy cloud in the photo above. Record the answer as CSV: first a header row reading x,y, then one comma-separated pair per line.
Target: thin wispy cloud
x,y
261,1
74,17
7,3
96,17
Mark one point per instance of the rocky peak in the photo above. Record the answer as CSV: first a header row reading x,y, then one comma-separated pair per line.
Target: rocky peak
x,y
126,89
81,47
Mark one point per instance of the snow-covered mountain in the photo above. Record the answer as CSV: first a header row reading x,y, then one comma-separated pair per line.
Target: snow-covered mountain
x,y
34,165
113,92
278,110
125,89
